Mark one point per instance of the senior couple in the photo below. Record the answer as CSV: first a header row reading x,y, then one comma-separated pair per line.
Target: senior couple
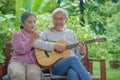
x,y
23,64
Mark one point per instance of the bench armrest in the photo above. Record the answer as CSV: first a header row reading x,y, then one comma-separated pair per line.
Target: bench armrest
x,y
2,64
102,67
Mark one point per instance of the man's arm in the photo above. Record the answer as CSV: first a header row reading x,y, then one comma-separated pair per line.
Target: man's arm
x,y
78,51
42,42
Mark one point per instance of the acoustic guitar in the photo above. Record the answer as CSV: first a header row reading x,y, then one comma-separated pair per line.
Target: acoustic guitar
x,y
46,59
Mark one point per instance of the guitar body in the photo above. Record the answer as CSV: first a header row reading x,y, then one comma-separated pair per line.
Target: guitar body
x,y
48,61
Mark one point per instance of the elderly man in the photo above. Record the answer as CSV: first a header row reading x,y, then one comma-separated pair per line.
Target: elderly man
x,y
70,66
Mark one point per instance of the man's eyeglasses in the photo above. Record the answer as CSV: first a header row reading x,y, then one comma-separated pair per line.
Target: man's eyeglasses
x,y
59,19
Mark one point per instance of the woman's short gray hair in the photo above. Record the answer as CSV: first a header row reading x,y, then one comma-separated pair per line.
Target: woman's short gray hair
x,y
62,10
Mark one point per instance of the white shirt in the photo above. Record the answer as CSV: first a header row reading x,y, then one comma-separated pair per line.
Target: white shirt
x,y
48,37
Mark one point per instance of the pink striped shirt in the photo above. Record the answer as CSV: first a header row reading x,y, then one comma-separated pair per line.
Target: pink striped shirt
x,y
23,50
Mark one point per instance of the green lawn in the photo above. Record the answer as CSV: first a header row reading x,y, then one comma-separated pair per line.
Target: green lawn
x,y
112,74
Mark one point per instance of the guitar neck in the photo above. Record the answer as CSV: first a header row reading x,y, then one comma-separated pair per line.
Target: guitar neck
x,y
76,44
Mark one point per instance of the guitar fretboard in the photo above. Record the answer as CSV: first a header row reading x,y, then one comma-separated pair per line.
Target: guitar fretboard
x,y
76,44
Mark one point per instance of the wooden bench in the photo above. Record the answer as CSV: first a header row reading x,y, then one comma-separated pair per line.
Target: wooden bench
x,y
88,63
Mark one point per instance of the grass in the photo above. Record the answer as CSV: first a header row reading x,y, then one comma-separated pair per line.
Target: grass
x,y
112,74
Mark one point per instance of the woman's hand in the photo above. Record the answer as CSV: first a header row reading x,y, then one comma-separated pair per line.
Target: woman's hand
x,y
82,48
51,28
35,35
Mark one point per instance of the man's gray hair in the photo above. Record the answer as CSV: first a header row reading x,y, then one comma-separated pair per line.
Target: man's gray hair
x,y
62,10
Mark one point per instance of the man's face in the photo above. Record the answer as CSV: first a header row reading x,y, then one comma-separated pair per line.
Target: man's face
x,y
59,20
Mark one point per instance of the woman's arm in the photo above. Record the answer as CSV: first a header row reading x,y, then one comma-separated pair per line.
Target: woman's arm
x,y
20,46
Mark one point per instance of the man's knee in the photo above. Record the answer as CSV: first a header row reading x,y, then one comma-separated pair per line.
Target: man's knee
x,y
72,74
71,58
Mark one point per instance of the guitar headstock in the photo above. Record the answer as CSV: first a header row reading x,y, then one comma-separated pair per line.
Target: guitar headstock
x,y
102,39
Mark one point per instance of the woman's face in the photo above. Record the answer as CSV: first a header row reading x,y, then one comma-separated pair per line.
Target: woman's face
x,y
29,24
59,20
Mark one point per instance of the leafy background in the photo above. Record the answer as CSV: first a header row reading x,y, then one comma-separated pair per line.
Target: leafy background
x,y
91,19
87,18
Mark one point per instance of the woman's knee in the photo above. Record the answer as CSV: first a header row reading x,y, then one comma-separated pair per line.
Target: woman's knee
x,y
33,72
34,76
18,76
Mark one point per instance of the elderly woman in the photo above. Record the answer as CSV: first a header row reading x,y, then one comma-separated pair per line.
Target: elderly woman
x,y
70,66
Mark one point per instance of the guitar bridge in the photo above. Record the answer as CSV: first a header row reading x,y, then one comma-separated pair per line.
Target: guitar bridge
x,y
46,53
